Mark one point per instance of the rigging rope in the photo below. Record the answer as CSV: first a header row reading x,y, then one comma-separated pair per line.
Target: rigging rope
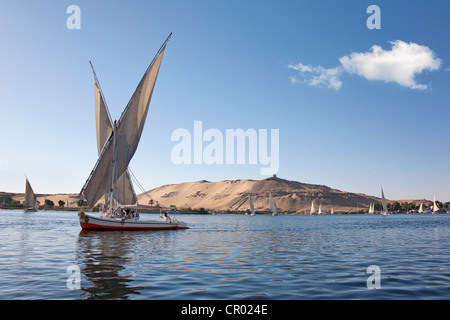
x,y
138,183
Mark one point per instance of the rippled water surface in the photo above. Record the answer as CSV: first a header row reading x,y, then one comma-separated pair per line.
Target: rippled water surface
x,y
228,257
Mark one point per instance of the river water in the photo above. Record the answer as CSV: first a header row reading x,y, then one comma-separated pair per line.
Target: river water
x,y
46,255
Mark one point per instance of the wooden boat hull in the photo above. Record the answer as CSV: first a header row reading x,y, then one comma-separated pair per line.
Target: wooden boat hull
x,y
88,222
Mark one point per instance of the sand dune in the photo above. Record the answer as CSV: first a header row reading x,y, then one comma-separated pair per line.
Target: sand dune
x,y
290,196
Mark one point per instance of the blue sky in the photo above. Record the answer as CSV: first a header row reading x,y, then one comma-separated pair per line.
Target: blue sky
x,y
232,64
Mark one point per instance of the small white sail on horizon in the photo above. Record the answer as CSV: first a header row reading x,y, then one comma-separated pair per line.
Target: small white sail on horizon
x,y
383,200
312,208
320,209
250,203
435,206
332,210
371,208
273,206
421,208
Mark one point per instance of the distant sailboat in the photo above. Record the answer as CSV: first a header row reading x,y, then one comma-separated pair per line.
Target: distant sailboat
x,y
371,208
30,202
312,208
385,209
320,209
332,210
273,206
435,206
252,208
421,208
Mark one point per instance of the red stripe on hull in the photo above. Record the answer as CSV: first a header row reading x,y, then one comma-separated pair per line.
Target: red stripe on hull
x,y
91,226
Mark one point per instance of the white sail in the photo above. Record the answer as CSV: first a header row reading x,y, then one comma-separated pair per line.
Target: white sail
x,y
332,210
103,123
273,206
312,208
435,206
421,208
30,202
124,193
371,208
385,209
252,208
320,209
122,143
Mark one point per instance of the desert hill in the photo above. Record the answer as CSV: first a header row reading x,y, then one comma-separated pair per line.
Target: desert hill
x,y
290,196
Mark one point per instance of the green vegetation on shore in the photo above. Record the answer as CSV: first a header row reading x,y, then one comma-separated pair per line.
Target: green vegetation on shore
x,y
7,202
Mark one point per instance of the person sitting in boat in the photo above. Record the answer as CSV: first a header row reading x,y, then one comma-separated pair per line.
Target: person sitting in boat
x,y
129,214
166,218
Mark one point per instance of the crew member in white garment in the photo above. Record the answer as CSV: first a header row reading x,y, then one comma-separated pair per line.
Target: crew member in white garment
x,y
166,218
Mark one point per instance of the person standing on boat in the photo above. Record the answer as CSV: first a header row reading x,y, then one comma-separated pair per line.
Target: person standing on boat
x,y
166,218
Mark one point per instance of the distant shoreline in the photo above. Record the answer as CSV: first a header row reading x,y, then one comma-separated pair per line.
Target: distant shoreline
x,y
232,197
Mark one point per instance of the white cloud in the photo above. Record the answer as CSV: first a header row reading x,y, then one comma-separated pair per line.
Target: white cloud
x,y
400,65
317,76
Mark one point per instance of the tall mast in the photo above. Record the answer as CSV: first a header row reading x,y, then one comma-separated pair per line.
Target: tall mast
x,y
113,170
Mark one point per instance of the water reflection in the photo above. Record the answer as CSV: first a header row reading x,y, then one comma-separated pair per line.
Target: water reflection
x,y
102,258
228,257
262,258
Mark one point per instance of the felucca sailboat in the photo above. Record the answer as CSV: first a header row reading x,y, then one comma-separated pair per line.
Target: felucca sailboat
x,y
435,206
119,141
273,206
125,193
30,203
250,203
383,200
421,208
